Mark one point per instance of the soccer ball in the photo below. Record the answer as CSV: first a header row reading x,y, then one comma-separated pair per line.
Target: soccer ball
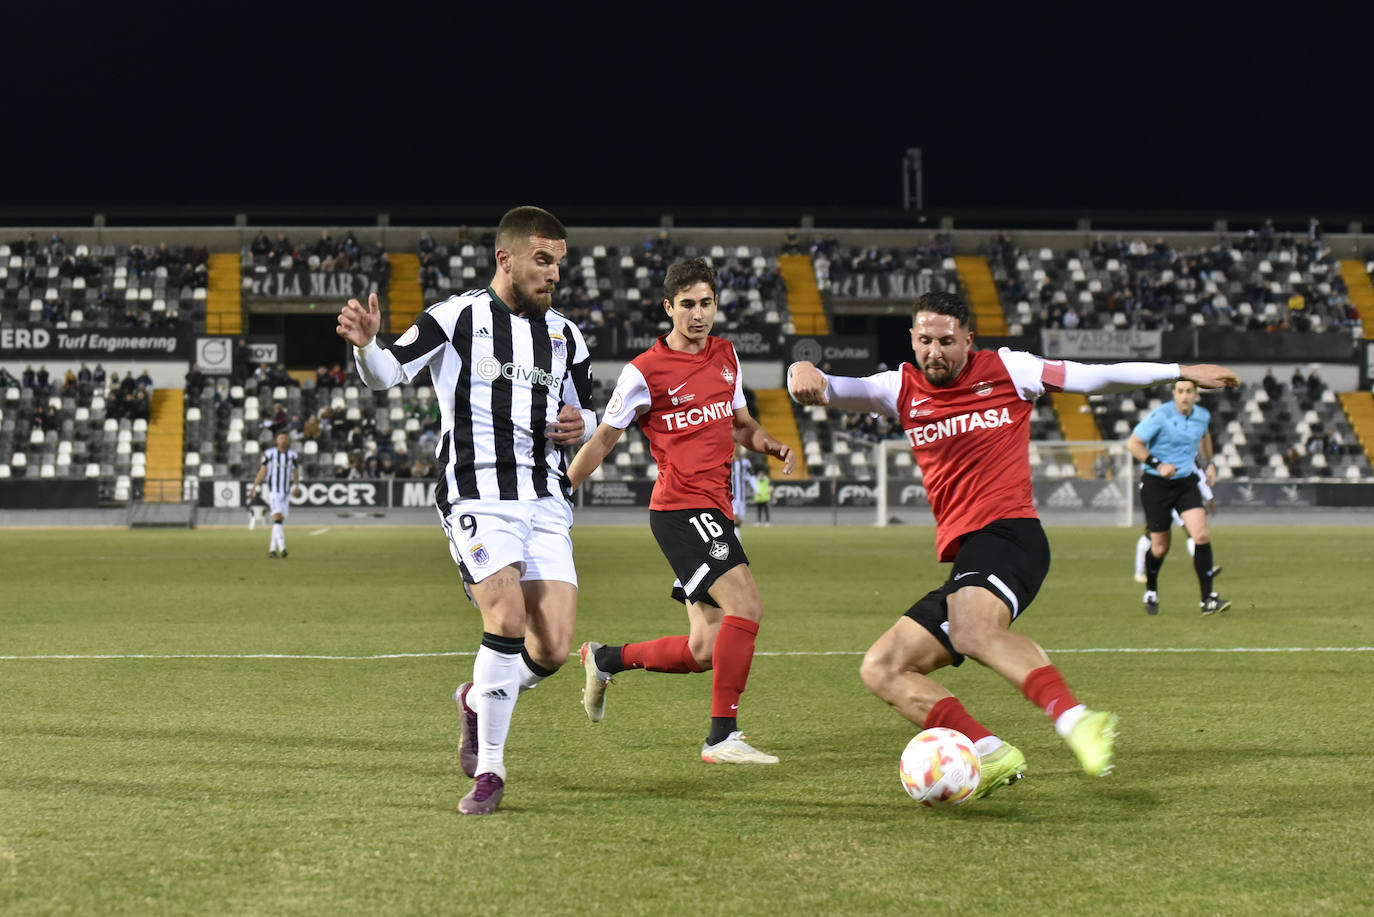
x,y
940,767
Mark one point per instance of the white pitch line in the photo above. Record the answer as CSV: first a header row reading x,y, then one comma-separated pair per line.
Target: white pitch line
x,y
319,531
437,655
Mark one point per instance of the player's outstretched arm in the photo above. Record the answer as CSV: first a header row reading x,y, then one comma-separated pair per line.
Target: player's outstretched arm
x,y
1209,375
358,325
593,453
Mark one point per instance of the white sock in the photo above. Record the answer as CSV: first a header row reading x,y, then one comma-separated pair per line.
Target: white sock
x,y
1065,722
987,745
279,535
1142,547
495,686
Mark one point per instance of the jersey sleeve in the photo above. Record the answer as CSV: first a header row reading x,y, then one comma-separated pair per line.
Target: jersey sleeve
x,y
1034,375
383,367
876,394
577,382
739,401
630,398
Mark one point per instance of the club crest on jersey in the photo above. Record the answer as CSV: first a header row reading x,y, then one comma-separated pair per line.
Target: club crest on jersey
x,y
480,557
728,375
719,550
410,337
560,347
982,389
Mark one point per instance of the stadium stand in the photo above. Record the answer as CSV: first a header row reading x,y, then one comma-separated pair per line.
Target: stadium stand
x,y
1279,286
609,285
52,284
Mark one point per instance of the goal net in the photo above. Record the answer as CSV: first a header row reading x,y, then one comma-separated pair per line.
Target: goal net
x,y
1076,483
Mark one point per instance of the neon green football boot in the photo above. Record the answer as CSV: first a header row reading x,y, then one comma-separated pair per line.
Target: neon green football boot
x,y
1002,767
1091,740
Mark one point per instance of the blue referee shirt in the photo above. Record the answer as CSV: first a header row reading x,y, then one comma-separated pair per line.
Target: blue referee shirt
x,y
1173,438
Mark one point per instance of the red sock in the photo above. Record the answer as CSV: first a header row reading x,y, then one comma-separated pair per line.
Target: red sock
x,y
666,654
1045,688
948,712
734,653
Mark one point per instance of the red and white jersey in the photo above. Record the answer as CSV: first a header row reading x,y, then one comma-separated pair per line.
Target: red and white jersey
x,y
685,403
971,438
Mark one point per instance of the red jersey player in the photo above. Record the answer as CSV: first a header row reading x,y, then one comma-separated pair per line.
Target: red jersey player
x,y
686,395
967,416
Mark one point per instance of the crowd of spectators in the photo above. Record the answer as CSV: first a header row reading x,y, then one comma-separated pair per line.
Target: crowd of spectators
x,y
326,254
616,288
1232,283
94,284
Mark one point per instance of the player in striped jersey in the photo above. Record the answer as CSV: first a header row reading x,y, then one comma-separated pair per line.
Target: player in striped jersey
x,y
281,468
511,376
741,486
967,414
686,395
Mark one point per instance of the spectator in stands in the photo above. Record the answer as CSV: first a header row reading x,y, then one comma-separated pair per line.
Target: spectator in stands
x,y
426,245
69,384
321,376
30,377
1266,236
145,381
42,383
195,382
1272,387
350,248
336,375
261,246
421,468
1315,386
279,419
1314,237
84,380
7,380
1298,383
98,376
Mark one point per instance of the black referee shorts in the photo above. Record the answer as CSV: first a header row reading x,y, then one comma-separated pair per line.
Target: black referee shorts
x,y
1010,558
1160,496
700,545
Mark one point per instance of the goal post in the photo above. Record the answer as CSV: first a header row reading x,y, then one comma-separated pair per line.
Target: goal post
x,y
1075,482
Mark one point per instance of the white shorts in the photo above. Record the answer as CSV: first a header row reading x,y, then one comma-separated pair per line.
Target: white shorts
x,y
280,504
487,535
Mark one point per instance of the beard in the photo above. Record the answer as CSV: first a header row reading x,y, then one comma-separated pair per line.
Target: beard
x,y
530,304
941,376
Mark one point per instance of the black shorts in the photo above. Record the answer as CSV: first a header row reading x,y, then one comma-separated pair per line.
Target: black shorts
x,y
700,545
1161,496
1009,558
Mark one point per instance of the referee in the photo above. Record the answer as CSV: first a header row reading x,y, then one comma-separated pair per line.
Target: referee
x,y
1169,440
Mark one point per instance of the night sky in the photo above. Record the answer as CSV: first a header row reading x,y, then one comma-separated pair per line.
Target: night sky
x,y
458,105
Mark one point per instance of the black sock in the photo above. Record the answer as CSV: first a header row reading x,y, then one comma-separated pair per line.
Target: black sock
x,y
535,667
1202,563
608,660
721,727
1152,565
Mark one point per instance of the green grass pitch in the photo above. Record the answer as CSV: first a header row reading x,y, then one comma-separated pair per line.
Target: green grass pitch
x,y
240,780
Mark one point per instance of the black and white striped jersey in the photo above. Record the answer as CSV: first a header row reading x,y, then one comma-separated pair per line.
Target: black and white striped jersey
x,y
280,468
500,380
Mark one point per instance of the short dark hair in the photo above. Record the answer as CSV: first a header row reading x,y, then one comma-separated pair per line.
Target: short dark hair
x,y
942,303
684,274
520,223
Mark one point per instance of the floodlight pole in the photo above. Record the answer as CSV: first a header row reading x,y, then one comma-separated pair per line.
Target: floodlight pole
x,y
913,184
